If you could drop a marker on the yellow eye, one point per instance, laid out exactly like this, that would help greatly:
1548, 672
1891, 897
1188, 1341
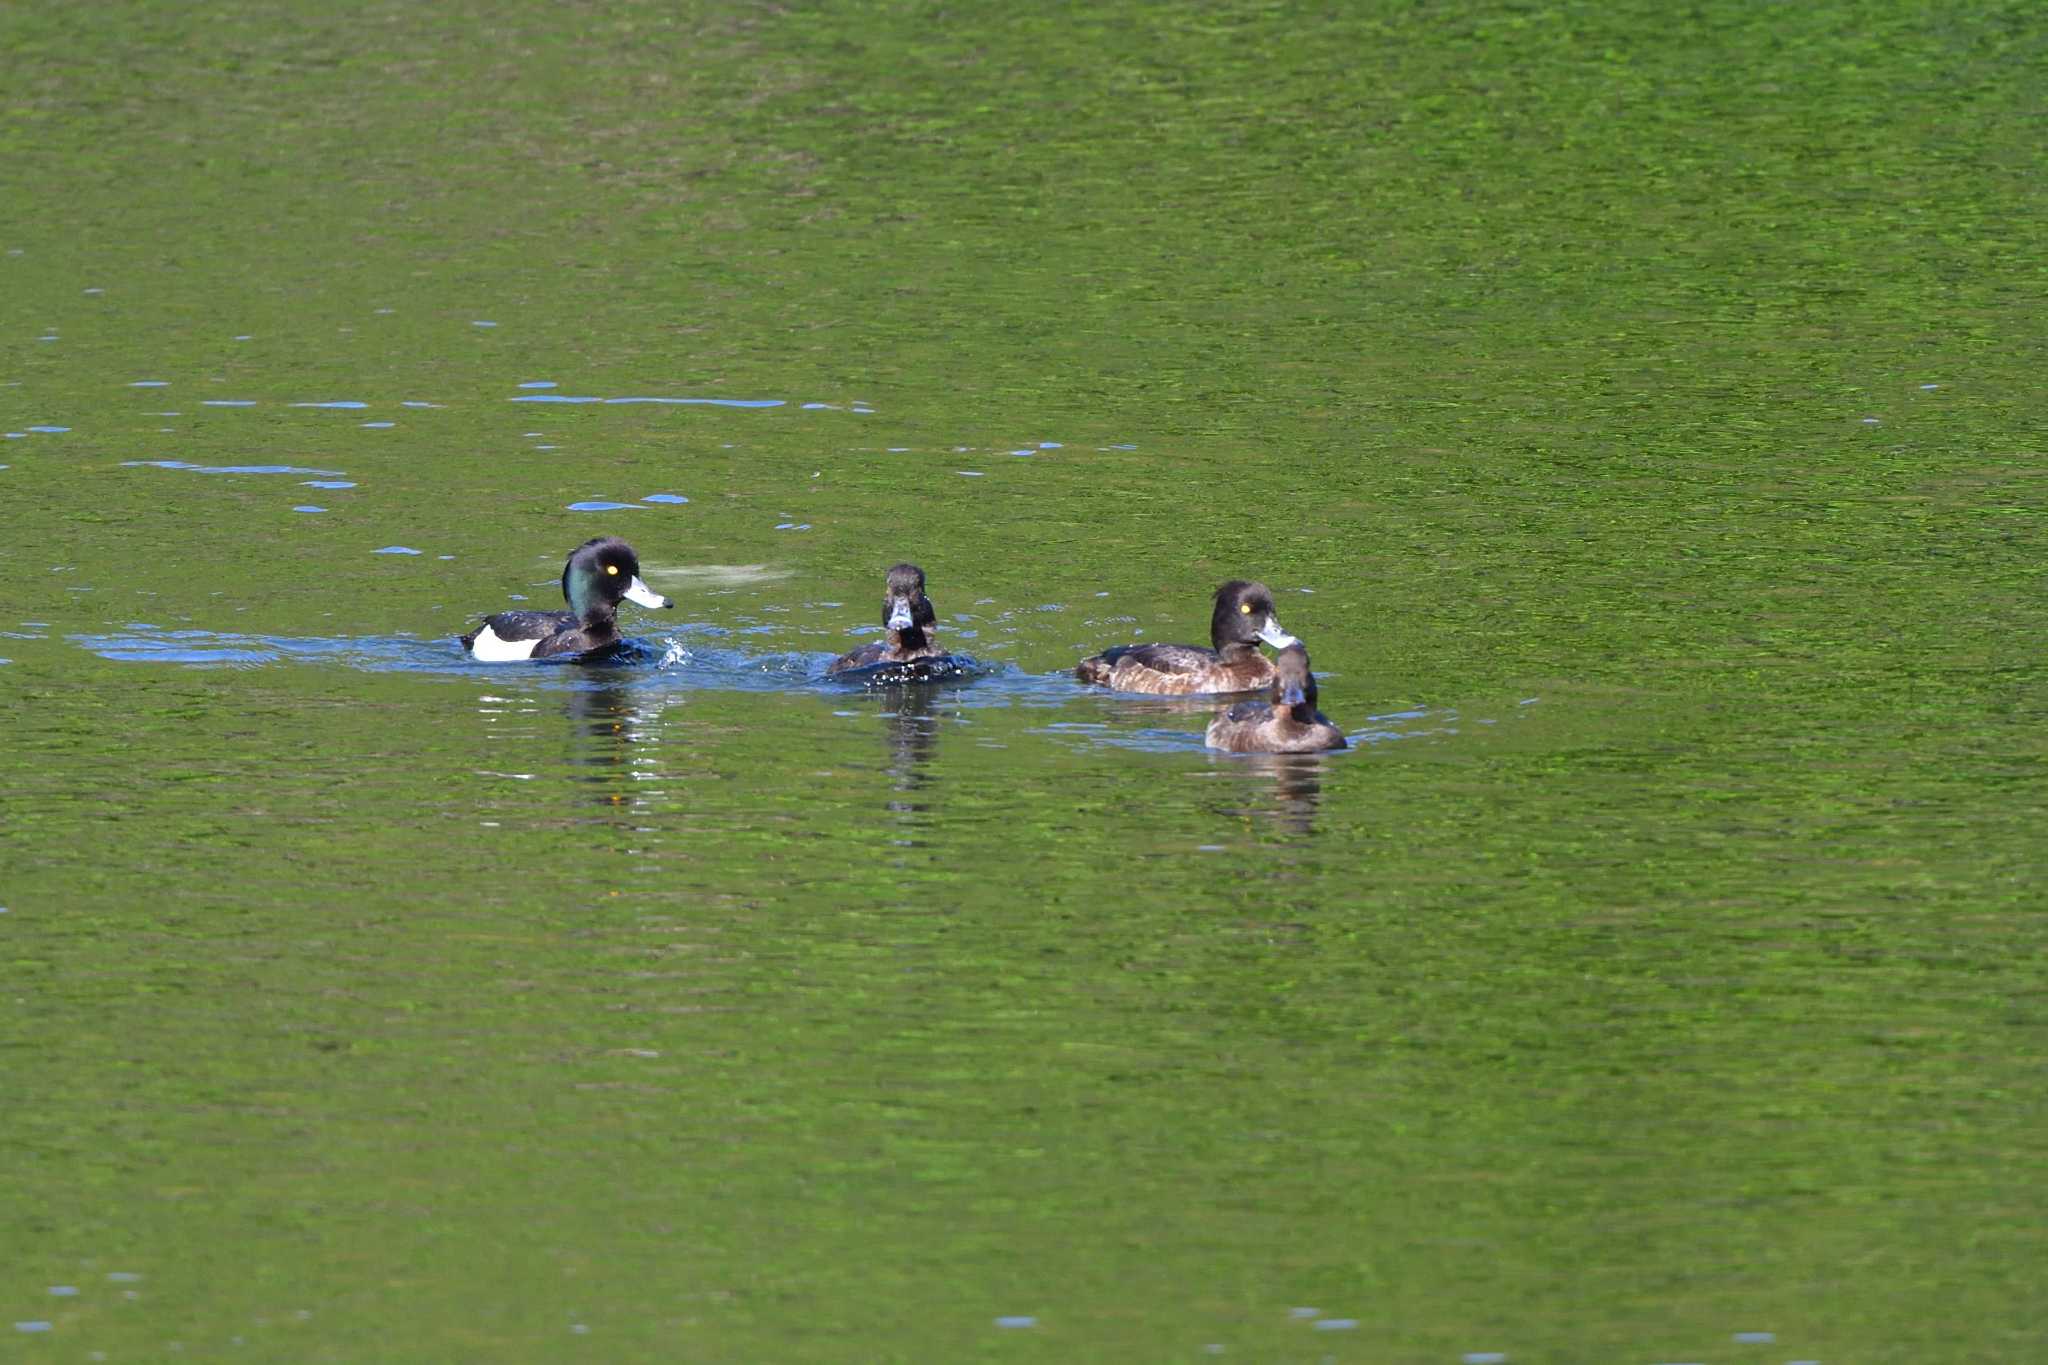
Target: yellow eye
1245, 607
613, 570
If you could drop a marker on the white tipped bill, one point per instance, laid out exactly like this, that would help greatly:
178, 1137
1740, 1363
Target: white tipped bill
1274, 636
636, 591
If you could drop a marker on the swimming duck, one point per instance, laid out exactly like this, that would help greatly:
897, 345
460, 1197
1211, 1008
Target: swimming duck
600, 573
1243, 617
1286, 723
911, 622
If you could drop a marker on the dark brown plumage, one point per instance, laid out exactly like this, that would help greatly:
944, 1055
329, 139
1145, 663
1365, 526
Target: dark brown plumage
1243, 616
910, 619
1287, 722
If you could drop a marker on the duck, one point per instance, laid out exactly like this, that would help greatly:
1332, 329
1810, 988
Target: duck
910, 620
600, 573
1287, 722
1243, 616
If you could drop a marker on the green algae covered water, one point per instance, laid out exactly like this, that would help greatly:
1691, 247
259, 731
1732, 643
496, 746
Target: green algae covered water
1637, 413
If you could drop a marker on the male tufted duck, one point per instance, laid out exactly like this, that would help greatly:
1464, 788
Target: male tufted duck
1243, 617
600, 573
1287, 723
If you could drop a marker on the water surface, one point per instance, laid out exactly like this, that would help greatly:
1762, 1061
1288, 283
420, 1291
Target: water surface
1637, 415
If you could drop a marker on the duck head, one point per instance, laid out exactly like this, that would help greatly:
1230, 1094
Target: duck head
904, 605
1294, 687
601, 573
1244, 613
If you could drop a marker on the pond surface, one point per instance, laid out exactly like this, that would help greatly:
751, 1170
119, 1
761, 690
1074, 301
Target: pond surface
1637, 414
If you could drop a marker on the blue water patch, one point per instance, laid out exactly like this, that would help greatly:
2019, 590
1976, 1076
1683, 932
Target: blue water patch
205, 647
537, 384
51, 431
481, 323
327, 483
397, 550
150, 384
686, 656
308, 507
378, 426
662, 497
227, 402
553, 398
227, 468
711, 402
416, 403
599, 505
337, 403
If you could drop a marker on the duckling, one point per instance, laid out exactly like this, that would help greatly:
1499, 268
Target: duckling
1243, 617
601, 572
1286, 723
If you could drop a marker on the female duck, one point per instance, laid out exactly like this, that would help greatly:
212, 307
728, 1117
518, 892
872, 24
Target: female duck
911, 622
1288, 723
600, 573
1243, 617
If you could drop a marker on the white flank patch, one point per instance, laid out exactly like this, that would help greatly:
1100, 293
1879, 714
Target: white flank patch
493, 650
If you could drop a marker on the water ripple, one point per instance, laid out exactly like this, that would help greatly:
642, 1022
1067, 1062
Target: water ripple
231, 468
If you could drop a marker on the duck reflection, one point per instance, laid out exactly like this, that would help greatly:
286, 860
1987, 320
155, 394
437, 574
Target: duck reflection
910, 717
613, 735
1282, 788
1296, 786
1285, 789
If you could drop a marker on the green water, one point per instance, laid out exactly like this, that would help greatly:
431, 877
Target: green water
1637, 412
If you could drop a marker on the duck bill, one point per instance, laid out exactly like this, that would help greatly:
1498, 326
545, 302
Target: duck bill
1292, 695
899, 615
636, 591
1274, 636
